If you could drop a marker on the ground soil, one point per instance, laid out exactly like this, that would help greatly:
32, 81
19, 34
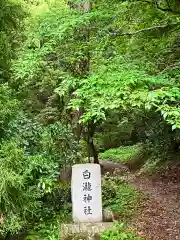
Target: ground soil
159, 218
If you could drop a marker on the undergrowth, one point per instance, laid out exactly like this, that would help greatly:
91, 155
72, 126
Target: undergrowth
119, 232
122, 198
125, 202
49, 228
117, 194
123, 154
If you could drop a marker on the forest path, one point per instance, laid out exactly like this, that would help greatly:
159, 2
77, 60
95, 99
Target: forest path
159, 218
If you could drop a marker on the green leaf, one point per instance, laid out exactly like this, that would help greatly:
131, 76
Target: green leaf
173, 127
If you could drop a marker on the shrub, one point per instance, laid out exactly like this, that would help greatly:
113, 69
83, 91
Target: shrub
123, 154
121, 197
29, 177
119, 232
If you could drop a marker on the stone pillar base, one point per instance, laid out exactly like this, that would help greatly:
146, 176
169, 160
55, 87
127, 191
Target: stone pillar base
84, 231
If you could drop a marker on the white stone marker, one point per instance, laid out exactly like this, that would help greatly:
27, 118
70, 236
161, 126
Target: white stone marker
86, 193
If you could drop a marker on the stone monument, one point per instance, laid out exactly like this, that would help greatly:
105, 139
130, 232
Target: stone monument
86, 202
86, 193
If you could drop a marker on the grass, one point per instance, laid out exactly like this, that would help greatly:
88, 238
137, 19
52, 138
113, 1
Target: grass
119, 232
125, 202
122, 198
122, 154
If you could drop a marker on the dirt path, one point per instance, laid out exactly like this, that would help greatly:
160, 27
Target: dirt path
160, 215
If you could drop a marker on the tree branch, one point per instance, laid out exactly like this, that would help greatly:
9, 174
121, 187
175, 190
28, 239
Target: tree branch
169, 9
156, 4
144, 30
171, 66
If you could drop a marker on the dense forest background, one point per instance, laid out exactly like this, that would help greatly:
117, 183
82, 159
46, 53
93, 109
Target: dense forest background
78, 79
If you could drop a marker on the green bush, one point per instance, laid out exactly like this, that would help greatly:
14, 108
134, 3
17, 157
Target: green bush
8, 108
48, 228
19, 195
119, 232
29, 189
55, 141
122, 198
11, 15
114, 132
122, 154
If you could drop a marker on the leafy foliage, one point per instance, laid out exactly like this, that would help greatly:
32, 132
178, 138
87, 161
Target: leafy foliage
8, 107
29, 174
120, 197
10, 15
123, 154
119, 232
118, 63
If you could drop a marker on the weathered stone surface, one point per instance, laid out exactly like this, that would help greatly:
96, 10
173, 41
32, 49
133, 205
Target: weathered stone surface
88, 230
108, 215
86, 193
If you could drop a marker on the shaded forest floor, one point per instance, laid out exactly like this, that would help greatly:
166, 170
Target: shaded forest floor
159, 218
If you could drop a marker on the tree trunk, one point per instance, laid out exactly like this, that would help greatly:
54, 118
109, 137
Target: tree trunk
91, 148
94, 151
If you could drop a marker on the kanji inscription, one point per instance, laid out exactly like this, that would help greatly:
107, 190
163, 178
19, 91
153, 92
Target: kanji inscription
86, 193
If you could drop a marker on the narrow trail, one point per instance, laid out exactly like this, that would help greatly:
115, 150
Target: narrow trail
159, 218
